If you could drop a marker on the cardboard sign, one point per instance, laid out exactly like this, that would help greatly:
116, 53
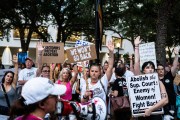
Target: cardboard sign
147, 53
144, 92
52, 53
83, 53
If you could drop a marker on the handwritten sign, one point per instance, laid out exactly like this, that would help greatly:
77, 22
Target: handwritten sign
81, 53
81, 43
144, 92
147, 53
52, 53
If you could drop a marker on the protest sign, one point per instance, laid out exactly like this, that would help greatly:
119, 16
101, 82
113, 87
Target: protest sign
147, 53
81, 43
52, 53
83, 53
144, 92
22, 56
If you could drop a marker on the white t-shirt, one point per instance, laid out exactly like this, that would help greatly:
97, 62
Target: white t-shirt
127, 74
97, 88
113, 77
27, 74
82, 83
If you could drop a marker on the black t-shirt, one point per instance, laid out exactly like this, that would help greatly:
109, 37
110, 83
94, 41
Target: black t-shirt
168, 82
120, 85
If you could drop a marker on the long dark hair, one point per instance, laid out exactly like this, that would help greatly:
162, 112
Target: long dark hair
3, 79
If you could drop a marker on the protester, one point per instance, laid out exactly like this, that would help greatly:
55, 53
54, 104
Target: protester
149, 67
28, 72
105, 66
8, 87
44, 70
83, 80
66, 78
38, 97
168, 81
96, 86
119, 88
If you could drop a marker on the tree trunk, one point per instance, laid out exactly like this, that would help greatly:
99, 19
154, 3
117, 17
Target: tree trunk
162, 32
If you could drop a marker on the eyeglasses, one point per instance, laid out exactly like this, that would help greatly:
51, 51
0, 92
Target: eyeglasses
46, 71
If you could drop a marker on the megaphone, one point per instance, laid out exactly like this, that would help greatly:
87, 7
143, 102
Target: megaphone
95, 109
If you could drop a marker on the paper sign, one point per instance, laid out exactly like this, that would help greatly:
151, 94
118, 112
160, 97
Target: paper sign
144, 92
81, 43
147, 53
22, 56
52, 53
83, 53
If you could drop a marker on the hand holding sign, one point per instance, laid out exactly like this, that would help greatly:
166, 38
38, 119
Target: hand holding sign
147, 112
137, 41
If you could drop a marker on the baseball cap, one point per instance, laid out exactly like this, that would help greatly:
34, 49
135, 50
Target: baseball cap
36, 89
28, 58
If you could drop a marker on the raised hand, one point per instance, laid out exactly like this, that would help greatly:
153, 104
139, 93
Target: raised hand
137, 41
39, 47
176, 50
15, 59
110, 46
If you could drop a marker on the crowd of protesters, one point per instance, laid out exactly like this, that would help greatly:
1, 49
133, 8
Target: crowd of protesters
84, 82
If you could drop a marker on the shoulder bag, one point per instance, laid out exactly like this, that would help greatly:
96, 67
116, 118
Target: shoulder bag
120, 103
3, 109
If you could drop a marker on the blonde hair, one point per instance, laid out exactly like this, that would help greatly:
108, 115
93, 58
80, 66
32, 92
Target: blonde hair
61, 73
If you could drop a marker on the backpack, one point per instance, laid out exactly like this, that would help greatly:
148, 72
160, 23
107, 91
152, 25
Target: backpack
177, 91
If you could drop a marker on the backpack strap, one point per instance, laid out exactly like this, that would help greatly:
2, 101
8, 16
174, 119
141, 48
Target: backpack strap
102, 86
5, 94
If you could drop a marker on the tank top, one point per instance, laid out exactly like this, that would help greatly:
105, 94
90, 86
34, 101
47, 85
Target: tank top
68, 93
11, 96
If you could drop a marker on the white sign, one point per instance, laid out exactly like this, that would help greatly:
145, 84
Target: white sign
144, 92
147, 53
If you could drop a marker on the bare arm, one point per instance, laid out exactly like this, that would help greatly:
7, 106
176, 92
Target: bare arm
175, 62
15, 61
137, 41
22, 82
78, 87
131, 63
40, 50
109, 70
161, 103
73, 79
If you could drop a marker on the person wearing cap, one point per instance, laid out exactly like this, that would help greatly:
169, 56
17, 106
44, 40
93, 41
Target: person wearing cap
28, 72
38, 97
